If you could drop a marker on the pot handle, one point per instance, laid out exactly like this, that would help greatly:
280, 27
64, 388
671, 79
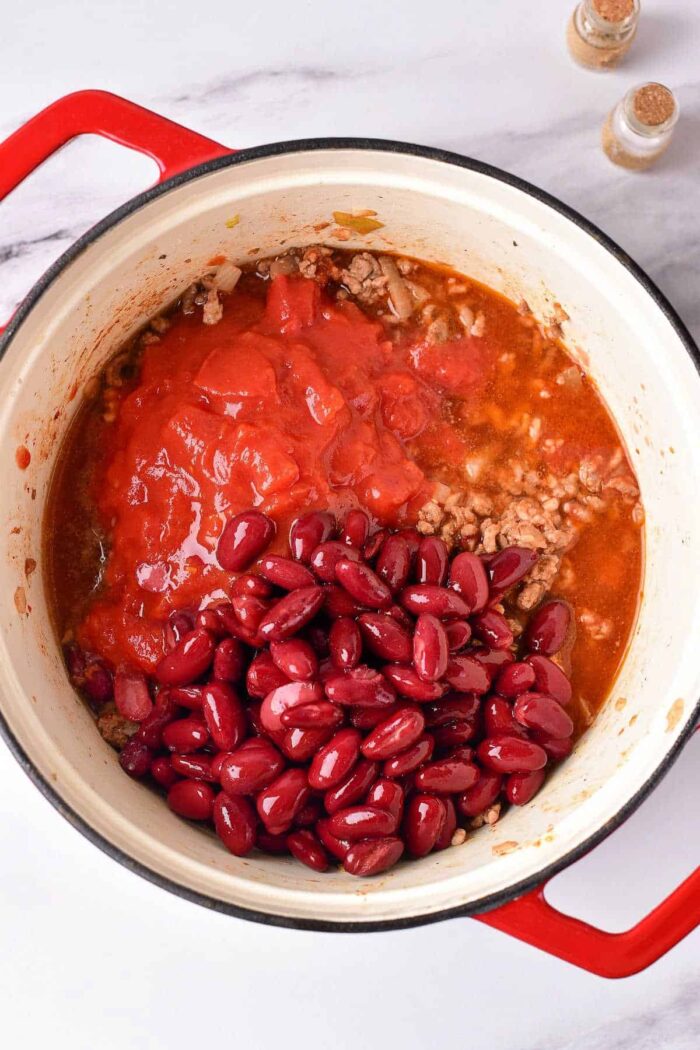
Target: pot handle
173, 147
531, 919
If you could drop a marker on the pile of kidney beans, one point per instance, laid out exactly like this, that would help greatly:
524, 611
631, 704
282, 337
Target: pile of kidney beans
360, 698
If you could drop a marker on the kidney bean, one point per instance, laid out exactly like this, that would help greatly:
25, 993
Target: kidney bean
406, 682
320, 715
498, 718
481, 795
509, 754
319, 638
196, 767
224, 715
188, 661
336, 847
374, 544
162, 772
366, 718
396, 734
458, 634
454, 707
449, 826
268, 843
402, 618
514, 679
135, 758
361, 822
548, 627
295, 658
447, 776
185, 735
385, 637
229, 661
179, 624
235, 823
468, 578
422, 823
97, 684
305, 847
292, 694
345, 643
454, 734
218, 760
508, 567
394, 562
539, 711
339, 602
308, 532
373, 856
251, 767
263, 676
354, 788
209, 620
428, 598
430, 648
355, 529
362, 686
243, 539
431, 561
249, 611
285, 572
522, 787
310, 812
387, 794
362, 583
192, 799
280, 801
333, 762
467, 675
556, 748
150, 732
491, 628
549, 678
492, 659
291, 613
326, 556
301, 744
248, 583
410, 759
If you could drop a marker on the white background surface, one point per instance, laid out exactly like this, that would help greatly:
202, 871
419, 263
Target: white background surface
92, 955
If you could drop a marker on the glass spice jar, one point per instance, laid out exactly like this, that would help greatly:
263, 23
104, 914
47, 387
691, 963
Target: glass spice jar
639, 129
600, 32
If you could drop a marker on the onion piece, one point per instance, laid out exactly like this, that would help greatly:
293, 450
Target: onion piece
227, 276
398, 292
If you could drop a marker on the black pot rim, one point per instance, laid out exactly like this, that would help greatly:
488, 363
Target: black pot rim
490, 901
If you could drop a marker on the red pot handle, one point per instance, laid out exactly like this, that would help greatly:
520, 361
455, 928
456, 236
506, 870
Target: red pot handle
172, 147
531, 919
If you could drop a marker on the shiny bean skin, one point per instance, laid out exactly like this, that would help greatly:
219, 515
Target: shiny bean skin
373, 856
431, 561
362, 686
508, 567
544, 713
555, 748
336, 847
446, 776
430, 648
393, 564
333, 762
150, 732
196, 767
491, 628
224, 715
292, 694
319, 715
412, 537
363, 584
396, 734
191, 799
509, 754
308, 532
263, 676
458, 634
422, 823
229, 661
522, 787
481, 795
410, 759
467, 675
291, 613
188, 661
454, 707
163, 773
366, 718
326, 556
209, 620
235, 823
185, 735
386, 638
179, 624
135, 758
492, 659
248, 583
250, 768
299, 745
355, 529
305, 847
549, 678
548, 628
249, 611
514, 679
387, 794
339, 602
285, 572
428, 598
361, 822
468, 578
498, 718
280, 801
353, 788
310, 812
295, 658
345, 643
131, 695
449, 826
243, 539
454, 734
268, 843
374, 544
406, 682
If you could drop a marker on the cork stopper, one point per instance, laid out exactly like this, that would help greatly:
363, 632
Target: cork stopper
613, 11
638, 130
653, 104
600, 32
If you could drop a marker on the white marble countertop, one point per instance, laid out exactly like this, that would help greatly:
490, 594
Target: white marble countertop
92, 954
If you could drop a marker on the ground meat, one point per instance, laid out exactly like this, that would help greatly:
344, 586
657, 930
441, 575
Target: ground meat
115, 729
213, 310
364, 279
317, 264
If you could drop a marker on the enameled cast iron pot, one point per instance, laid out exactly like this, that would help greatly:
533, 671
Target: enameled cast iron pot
436, 206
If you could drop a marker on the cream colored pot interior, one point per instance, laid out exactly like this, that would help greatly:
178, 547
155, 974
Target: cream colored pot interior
490, 231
